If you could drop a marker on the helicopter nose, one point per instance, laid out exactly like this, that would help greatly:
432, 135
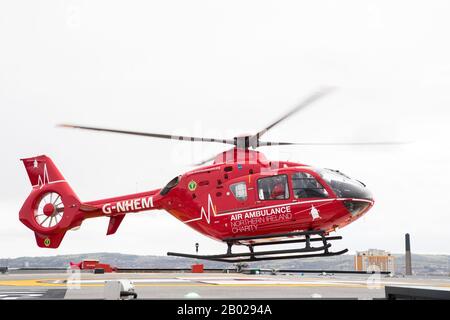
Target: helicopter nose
351, 188
362, 199
357, 207
359, 190
357, 197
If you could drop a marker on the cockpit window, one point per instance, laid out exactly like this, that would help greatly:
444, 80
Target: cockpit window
343, 186
305, 185
172, 183
273, 188
239, 191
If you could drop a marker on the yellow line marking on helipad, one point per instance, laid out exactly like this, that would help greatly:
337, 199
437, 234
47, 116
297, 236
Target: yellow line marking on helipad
29, 283
40, 283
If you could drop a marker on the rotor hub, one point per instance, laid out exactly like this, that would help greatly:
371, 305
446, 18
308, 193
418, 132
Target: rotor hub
49, 209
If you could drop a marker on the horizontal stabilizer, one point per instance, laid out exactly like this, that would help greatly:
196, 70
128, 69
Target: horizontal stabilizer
114, 223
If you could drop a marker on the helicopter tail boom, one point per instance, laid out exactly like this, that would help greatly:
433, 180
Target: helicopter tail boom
52, 207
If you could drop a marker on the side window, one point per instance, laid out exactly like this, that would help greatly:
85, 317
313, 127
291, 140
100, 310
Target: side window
273, 188
306, 186
239, 191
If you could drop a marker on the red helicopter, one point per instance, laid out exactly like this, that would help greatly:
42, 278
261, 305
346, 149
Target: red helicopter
241, 199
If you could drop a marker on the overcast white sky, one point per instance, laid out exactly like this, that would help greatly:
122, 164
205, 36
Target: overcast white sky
221, 68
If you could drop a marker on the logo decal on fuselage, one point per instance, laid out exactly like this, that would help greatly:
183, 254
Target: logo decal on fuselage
274, 213
192, 185
314, 213
131, 205
47, 242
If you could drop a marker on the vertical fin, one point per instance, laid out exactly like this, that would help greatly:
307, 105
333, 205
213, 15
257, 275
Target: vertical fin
41, 170
49, 241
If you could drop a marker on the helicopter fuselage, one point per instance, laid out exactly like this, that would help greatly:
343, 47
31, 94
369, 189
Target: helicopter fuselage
251, 198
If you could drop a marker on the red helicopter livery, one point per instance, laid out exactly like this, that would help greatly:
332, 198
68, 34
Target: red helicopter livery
241, 199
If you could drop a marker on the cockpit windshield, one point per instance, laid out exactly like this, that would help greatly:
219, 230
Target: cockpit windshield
344, 186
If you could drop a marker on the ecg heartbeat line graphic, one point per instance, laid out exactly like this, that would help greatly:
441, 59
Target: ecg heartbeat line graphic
45, 178
204, 213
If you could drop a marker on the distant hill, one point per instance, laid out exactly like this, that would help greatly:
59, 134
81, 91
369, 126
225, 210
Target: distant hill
422, 264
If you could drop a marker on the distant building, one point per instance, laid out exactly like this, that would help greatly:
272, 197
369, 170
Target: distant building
374, 260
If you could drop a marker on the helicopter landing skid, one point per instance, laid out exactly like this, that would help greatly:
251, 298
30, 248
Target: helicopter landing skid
305, 237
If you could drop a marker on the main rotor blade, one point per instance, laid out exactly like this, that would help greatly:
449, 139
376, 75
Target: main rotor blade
308, 101
362, 143
153, 135
273, 144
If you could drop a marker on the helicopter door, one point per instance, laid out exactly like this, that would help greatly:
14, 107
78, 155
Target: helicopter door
304, 185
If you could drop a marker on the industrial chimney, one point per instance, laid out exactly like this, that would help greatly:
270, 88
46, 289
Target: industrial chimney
408, 266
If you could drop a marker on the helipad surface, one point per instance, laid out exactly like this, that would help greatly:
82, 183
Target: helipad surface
208, 285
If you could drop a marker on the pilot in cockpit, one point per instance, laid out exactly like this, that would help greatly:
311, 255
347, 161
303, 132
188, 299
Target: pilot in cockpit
279, 188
